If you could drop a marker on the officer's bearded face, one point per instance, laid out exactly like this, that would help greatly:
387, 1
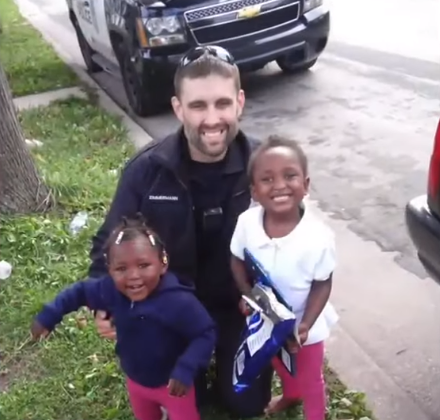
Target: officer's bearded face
209, 109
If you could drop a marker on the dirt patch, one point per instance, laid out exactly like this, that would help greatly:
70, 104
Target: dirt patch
332, 380
4, 381
16, 367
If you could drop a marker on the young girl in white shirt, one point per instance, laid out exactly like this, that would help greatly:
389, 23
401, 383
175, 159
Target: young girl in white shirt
298, 251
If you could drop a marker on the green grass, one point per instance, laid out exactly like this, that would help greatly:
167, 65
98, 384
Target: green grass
74, 374
31, 65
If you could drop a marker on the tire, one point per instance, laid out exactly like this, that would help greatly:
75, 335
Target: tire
86, 51
289, 67
143, 100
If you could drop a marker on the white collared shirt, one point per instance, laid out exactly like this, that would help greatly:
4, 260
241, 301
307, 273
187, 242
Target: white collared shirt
293, 261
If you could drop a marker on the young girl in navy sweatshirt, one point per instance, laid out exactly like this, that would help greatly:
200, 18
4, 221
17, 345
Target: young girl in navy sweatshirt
164, 334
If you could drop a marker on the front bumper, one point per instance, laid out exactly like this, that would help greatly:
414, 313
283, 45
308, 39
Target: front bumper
303, 40
424, 230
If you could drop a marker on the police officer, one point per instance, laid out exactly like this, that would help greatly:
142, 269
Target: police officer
191, 186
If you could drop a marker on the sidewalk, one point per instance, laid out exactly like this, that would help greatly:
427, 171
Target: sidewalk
376, 299
44, 99
379, 305
138, 135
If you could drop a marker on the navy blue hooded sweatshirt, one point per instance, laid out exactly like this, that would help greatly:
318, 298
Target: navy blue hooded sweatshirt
168, 335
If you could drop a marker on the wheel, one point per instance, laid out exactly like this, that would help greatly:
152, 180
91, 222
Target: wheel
289, 66
142, 90
86, 50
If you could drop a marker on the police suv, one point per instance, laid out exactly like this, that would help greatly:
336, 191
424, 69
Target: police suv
142, 41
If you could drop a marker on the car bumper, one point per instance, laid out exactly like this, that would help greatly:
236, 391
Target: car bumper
424, 230
304, 40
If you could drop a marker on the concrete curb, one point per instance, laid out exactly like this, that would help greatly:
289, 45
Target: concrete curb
38, 20
43, 99
359, 372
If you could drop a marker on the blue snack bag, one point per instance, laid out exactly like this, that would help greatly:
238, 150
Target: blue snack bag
260, 275
266, 332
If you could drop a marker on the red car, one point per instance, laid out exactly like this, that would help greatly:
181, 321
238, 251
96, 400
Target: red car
422, 216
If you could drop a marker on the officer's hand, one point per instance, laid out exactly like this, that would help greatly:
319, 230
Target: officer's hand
105, 326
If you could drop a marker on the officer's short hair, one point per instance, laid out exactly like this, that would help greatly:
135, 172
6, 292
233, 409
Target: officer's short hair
205, 66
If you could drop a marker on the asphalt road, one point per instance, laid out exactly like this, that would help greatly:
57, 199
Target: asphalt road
366, 115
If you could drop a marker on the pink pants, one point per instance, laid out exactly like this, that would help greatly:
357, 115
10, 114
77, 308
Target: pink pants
146, 403
308, 383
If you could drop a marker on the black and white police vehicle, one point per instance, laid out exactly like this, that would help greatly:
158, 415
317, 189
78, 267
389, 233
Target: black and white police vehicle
143, 40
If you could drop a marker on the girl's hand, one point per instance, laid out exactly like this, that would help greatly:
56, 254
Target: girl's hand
38, 331
176, 388
244, 308
303, 333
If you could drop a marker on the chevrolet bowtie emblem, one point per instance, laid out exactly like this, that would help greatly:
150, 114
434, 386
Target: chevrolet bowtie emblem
249, 12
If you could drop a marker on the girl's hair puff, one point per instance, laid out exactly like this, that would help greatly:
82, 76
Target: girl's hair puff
272, 142
131, 228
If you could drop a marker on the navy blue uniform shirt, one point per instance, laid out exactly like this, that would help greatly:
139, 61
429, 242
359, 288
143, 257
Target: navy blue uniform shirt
168, 335
173, 193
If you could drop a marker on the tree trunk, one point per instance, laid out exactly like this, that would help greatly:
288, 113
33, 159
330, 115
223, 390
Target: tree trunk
21, 189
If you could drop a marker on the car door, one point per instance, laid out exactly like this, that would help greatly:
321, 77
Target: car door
92, 21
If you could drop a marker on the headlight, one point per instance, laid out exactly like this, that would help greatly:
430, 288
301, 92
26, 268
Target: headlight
164, 31
312, 4
158, 25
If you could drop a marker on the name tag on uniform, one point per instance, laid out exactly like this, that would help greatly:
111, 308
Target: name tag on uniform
163, 198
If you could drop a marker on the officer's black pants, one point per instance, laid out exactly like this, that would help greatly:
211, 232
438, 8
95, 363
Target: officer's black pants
248, 403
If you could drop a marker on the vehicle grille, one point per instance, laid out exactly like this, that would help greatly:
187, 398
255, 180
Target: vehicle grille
219, 9
243, 27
